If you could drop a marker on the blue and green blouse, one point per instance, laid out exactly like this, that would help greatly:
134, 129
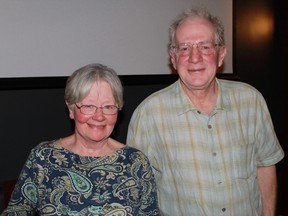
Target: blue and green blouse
55, 181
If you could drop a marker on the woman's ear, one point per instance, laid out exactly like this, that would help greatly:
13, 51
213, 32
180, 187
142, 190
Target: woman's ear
71, 111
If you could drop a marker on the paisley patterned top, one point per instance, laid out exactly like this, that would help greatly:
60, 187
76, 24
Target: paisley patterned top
55, 181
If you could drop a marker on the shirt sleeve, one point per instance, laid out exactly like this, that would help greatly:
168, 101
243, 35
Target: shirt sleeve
269, 151
148, 198
24, 197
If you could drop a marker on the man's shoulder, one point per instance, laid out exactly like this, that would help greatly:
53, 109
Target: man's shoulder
236, 86
239, 92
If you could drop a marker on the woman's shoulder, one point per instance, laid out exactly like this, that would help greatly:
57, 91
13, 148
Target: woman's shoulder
135, 153
46, 145
132, 149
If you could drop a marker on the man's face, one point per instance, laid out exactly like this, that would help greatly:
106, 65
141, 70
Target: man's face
195, 67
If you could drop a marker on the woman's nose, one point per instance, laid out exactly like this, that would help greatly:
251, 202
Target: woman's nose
99, 115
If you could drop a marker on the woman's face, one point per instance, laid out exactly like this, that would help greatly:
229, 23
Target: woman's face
95, 127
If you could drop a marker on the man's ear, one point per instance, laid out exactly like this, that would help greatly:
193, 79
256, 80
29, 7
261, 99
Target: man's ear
222, 54
172, 58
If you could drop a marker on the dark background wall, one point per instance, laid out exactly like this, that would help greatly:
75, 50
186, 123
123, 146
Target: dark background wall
263, 62
38, 113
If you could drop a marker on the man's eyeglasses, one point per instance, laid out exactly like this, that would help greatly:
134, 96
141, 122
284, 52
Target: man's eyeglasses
204, 48
91, 109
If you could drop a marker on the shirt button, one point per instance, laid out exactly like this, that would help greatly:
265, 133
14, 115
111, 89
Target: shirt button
223, 209
209, 126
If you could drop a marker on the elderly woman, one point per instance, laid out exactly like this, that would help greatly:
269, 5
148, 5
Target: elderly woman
87, 173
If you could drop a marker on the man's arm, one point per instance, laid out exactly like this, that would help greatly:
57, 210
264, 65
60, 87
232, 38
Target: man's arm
267, 181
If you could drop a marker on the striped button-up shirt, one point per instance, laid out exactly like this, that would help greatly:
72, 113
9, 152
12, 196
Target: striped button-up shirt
206, 165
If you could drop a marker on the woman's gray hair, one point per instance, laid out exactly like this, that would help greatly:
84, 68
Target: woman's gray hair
197, 13
81, 81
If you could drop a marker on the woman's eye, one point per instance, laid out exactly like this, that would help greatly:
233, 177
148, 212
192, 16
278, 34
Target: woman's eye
108, 107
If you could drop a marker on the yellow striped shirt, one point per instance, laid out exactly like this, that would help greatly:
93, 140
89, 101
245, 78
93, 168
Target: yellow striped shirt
206, 165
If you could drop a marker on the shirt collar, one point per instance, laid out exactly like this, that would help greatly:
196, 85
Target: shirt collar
223, 100
221, 104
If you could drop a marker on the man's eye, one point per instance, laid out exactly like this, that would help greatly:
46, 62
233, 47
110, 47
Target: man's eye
183, 48
205, 47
